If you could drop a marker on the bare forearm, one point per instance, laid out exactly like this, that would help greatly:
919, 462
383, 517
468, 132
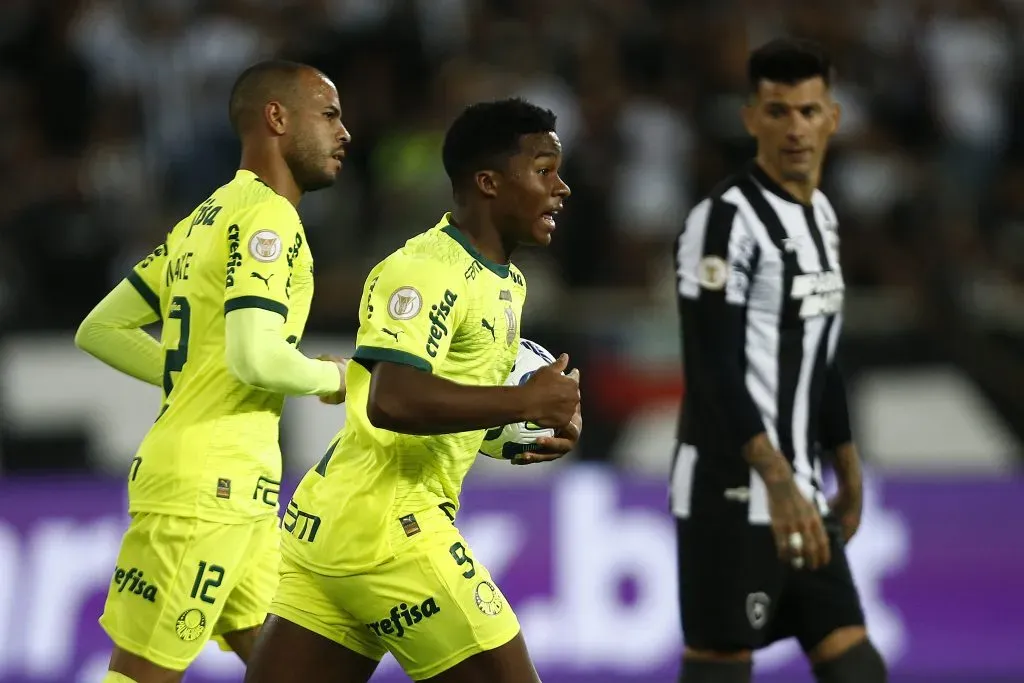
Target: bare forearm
410, 401
768, 462
847, 465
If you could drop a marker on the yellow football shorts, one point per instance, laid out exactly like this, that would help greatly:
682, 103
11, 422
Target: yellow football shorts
180, 581
432, 606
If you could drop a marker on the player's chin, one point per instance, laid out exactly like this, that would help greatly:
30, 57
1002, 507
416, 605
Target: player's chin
541, 232
322, 180
798, 170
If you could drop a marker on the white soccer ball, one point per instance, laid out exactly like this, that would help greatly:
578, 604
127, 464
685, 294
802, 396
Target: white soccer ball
505, 443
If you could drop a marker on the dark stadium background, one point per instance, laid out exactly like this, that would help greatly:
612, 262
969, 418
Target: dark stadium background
113, 125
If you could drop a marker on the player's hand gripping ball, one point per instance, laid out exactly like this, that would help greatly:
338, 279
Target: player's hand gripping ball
519, 437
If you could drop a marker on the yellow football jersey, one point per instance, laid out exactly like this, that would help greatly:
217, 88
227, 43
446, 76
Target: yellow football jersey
213, 452
438, 305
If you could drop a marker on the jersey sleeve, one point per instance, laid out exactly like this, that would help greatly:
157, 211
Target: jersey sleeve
147, 275
716, 260
112, 333
411, 310
834, 421
262, 248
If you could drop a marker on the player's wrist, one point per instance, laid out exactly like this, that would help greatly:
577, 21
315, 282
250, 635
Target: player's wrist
769, 463
523, 403
332, 377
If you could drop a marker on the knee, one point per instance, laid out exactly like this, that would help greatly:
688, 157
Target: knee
860, 664
716, 667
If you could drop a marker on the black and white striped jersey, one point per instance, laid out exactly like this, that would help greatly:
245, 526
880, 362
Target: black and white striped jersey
760, 299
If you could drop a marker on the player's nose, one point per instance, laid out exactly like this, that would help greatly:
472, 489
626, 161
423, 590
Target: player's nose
344, 137
562, 188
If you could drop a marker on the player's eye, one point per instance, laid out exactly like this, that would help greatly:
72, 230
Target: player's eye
544, 171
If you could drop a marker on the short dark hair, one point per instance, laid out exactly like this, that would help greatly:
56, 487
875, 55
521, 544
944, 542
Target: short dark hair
260, 83
486, 134
789, 61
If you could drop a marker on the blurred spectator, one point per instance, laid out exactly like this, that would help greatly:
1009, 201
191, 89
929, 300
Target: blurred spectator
115, 124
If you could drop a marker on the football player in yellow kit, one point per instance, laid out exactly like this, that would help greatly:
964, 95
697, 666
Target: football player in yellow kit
232, 285
372, 561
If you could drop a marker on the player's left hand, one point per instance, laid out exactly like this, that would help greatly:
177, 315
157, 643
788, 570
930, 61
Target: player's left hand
564, 440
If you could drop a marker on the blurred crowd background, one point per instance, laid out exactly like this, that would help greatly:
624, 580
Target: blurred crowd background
113, 126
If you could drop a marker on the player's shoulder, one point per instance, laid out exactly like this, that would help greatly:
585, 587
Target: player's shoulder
725, 196
247, 191
243, 197
438, 249
820, 201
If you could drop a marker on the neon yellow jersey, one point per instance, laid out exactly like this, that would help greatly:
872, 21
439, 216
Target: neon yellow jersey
437, 305
213, 452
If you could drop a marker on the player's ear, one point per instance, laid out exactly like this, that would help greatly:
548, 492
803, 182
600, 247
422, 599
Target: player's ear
487, 183
836, 116
275, 116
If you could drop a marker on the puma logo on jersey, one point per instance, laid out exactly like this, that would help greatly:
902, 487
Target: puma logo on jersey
489, 327
387, 331
265, 280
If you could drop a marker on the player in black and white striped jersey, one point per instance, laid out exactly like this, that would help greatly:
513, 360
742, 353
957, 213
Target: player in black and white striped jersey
761, 552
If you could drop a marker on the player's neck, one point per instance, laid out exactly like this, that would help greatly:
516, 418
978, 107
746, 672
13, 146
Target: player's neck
273, 172
482, 233
801, 190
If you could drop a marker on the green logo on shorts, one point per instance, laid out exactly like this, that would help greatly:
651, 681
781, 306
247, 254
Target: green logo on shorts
410, 615
488, 599
190, 624
132, 580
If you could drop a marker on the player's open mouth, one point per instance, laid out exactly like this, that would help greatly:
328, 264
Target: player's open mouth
549, 218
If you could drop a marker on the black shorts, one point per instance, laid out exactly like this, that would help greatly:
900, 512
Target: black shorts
736, 594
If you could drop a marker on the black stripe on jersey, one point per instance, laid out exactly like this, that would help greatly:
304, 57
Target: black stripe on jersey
718, 232
367, 355
829, 419
819, 245
791, 325
255, 302
818, 380
143, 289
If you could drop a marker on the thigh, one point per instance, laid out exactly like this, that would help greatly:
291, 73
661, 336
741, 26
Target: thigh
247, 604
169, 586
729, 583
815, 604
434, 606
508, 663
286, 652
316, 604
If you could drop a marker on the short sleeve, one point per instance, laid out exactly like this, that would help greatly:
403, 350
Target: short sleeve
147, 274
411, 309
262, 247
